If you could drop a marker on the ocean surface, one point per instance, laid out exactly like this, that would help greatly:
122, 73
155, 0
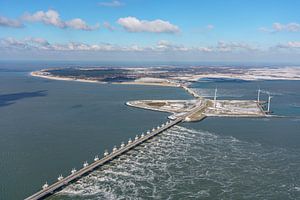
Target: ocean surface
48, 127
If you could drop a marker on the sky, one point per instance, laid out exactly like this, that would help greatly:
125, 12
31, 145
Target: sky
151, 30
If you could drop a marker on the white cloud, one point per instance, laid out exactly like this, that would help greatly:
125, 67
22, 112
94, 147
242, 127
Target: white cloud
162, 46
40, 41
290, 27
278, 27
79, 24
289, 45
234, 46
205, 49
75, 46
113, 3
4, 21
12, 43
52, 17
163, 49
221, 46
42, 44
133, 24
25, 44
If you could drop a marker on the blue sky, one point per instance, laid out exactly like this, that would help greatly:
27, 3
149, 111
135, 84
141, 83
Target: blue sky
183, 30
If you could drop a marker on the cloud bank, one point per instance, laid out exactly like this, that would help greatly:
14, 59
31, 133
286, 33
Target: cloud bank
6, 22
160, 46
290, 45
278, 27
29, 48
52, 17
132, 24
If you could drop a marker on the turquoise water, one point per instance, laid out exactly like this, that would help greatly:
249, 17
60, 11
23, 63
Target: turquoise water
48, 127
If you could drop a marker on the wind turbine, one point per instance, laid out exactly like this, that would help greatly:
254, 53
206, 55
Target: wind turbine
215, 97
258, 95
269, 102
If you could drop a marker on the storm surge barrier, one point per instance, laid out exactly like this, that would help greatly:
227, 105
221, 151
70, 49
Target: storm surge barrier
48, 190
87, 168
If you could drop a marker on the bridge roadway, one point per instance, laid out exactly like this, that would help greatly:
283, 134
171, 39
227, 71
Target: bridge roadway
85, 170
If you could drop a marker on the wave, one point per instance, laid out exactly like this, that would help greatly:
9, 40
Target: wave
184, 163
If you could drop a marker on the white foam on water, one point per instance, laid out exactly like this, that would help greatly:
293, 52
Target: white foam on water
184, 163
261, 119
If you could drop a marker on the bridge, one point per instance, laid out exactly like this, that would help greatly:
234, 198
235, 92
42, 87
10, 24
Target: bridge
51, 189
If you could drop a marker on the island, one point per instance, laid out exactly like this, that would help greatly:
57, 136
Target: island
183, 77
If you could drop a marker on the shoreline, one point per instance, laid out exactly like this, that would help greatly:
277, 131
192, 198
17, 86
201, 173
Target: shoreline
164, 84
169, 82
146, 84
40, 75
36, 74
253, 74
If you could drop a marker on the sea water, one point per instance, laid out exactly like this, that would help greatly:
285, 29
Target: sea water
48, 127
217, 158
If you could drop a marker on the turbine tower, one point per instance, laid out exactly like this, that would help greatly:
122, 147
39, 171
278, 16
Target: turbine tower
258, 95
269, 102
215, 97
